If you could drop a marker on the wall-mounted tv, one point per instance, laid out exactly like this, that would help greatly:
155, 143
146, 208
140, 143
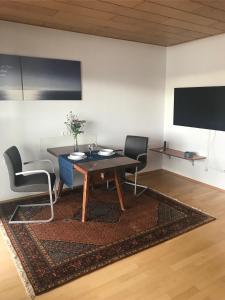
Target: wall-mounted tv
200, 107
33, 78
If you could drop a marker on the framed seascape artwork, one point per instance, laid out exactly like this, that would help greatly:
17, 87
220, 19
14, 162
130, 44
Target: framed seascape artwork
10, 78
33, 78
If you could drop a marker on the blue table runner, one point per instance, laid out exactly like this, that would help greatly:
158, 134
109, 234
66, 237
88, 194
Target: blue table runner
66, 169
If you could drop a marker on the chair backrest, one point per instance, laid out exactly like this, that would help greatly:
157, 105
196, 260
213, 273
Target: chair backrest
135, 145
14, 164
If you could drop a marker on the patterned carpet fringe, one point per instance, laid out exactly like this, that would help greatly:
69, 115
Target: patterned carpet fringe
19, 267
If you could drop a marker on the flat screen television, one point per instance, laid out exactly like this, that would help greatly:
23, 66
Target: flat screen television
200, 107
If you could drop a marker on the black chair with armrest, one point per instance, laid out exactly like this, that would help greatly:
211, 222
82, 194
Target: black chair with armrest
136, 147
29, 181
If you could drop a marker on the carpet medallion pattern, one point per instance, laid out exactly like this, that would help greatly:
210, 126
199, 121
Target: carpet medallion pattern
54, 253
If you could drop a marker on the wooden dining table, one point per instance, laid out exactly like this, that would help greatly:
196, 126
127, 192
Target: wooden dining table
97, 170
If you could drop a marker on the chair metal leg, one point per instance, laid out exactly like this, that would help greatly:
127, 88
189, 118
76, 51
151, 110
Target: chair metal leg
11, 221
55, 194
135, 182
136, 185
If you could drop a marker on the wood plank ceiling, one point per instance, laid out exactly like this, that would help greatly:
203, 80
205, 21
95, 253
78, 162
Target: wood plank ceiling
158, 22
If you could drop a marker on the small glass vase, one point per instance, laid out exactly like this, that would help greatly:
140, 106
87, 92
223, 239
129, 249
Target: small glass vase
76, 147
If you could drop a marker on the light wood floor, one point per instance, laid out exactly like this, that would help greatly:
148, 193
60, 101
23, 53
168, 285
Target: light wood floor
191, 266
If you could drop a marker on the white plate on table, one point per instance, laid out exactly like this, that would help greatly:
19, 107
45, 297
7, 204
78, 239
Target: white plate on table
107, 150
77, 157
77, 154
106, 153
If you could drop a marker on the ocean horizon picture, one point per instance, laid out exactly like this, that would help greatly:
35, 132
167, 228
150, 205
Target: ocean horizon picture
51, 79
10, 78
33, 78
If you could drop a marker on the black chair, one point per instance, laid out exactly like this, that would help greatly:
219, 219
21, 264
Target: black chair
29, 181
136, 147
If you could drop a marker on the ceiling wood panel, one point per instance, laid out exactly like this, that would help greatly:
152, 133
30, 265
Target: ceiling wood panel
128, 3
219, 4
159, 28
220, 25
27, 7
159, 22
61, 7
185, 5
190, 26
206, 11
174, 13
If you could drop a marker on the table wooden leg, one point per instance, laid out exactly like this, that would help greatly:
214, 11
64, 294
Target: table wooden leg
60, 188
85, 196
119, 190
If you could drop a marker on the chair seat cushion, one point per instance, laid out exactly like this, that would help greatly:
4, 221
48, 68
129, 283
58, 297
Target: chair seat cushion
34, 183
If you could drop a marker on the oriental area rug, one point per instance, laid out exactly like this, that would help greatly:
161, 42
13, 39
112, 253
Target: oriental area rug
51, 254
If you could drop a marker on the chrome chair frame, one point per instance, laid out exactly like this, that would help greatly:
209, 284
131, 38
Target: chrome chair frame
135, 184
51, 202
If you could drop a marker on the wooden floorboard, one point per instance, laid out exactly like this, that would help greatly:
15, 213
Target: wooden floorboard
191, 266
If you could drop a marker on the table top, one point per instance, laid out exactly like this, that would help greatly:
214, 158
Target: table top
57, 151
95, 165
106, 164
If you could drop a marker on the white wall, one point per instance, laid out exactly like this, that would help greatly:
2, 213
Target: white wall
123, 91
199, 63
